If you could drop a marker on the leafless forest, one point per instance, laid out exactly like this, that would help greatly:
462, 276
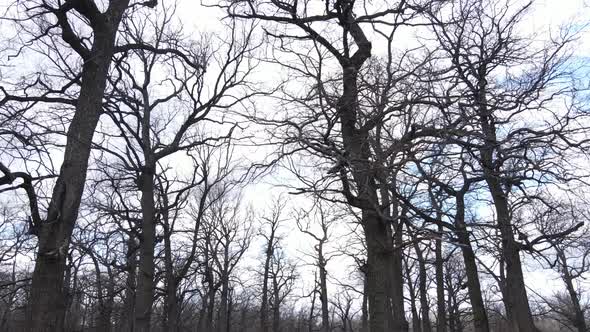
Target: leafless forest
294, 165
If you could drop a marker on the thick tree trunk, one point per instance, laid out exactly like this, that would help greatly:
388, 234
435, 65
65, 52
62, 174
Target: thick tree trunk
145, 278
378, 273
210, 307
276, 319
145, 183
230, 309
172, 314
517, 301
502, 285
356, 144
480, 317
128, 317
518, 306
223, 307
46, 309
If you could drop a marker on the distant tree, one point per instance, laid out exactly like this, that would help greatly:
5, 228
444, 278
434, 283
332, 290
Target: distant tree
563, 245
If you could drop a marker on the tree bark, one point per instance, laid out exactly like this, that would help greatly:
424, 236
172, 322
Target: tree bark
441, 312
323, 289
517, 301
378, 272
171, 314
480, 317
264, 304
145, 279
128, 318
424, 308
46, 310
276, 307
365, 305
223, 323
518, 306
396, 292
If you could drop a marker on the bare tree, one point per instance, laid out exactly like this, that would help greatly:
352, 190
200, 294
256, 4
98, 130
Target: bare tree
269, 231
335, 123
482, 40
72, 23
564, 246
148, 130
324, 217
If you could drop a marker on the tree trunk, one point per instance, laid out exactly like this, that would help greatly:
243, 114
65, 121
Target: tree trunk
452, 318
323, 290
106, 301
580, 320
397, 276
264, 304
210, 307
145, 183
276, 307
244, 317
450, 297
480, 317
365, 305
46, 309
517, 301
145, 279
357, 145
378, 272
416, 325
104, 318
230, 309
458, 325
424, 308
310, 322
202, 322
128, 317
171, 315
518, 306
441, 311
224, 301
502, 285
